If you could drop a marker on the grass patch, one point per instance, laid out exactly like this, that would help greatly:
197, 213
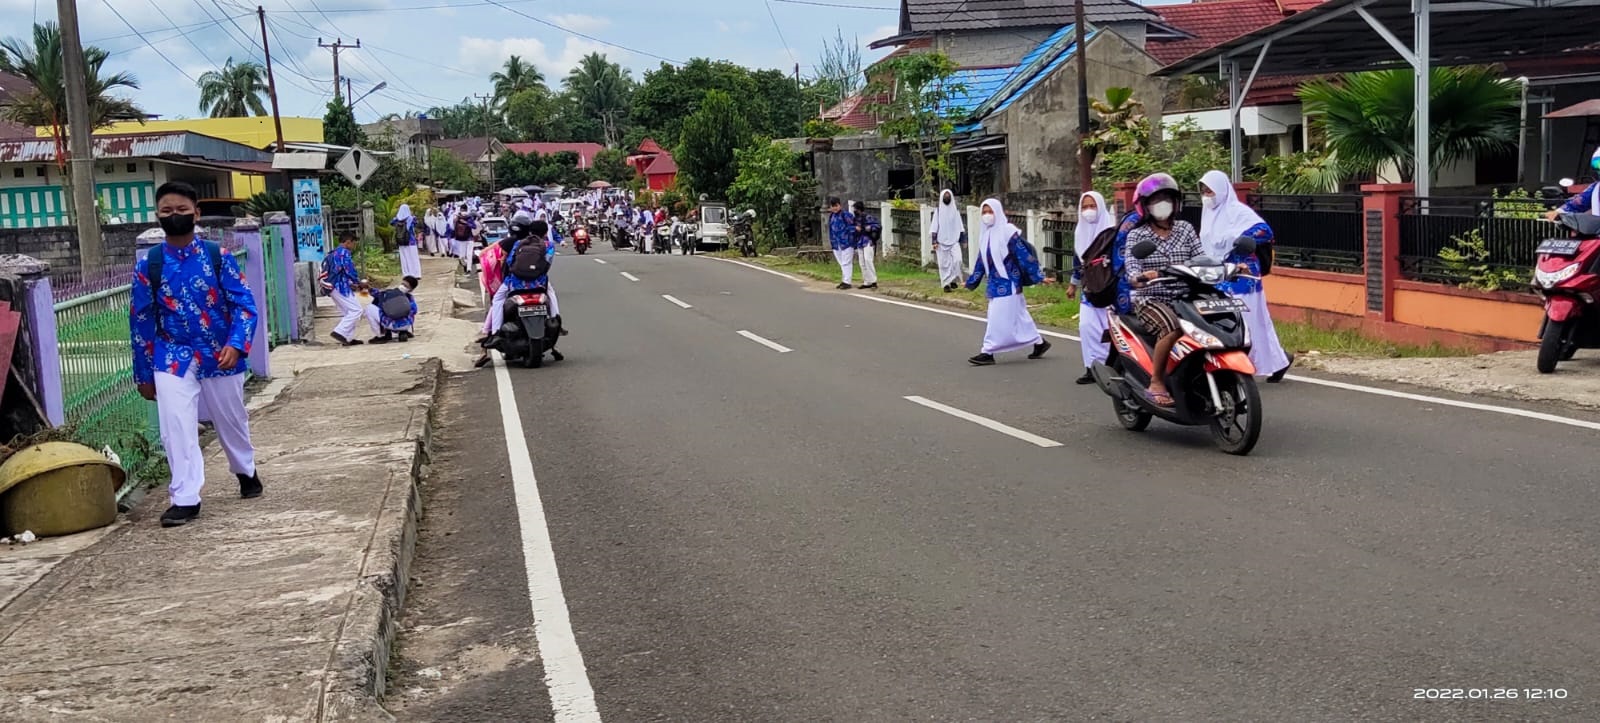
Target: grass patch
1300, 338
377, 266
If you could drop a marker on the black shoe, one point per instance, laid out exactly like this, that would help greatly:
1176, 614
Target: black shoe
873, 285
1277, 376
179, 515
344, 341
406, 336
556, 355
1087, 378
981, 360
842, 285
949, 288
385, 339
1039, 349
249, 487
482, 361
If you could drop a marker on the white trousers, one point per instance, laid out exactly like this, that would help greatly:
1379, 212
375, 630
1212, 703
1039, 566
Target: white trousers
1266, 352
867, 256
178, 401
497, 308
410, 262
949, 264
1092, 324
1010, 326
847, 264
350, 307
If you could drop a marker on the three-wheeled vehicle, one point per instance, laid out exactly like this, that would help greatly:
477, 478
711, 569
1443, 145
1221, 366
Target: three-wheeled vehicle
713, 229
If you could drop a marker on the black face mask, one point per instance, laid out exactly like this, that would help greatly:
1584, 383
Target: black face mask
948, 201
178, 224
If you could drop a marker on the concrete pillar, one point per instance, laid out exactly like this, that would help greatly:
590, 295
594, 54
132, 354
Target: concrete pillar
974, 236
886, 216
369, 225
925, 243
247, 232
1380, 213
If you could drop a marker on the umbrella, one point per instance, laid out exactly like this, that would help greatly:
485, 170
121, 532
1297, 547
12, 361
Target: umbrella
513, 192
533, 189
599, 184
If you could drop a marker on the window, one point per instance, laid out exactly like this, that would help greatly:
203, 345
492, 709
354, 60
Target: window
107, 168
17, 173
39, 172
133, 168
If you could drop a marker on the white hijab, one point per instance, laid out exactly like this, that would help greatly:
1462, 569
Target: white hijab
1086, 232
404, 214
947, 220
997, 237
1222, 225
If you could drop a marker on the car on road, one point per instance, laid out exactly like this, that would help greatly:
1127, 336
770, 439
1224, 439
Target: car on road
713, 228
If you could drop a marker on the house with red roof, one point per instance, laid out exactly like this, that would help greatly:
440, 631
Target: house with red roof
655, 164
585, 151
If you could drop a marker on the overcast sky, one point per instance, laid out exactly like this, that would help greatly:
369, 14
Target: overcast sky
436, 52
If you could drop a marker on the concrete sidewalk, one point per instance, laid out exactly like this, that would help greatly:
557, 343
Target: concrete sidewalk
280, 608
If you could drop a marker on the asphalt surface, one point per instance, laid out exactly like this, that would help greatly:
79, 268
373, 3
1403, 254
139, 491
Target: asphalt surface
751, 535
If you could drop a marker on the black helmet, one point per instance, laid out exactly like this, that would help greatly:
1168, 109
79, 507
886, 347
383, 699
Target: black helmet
521, 225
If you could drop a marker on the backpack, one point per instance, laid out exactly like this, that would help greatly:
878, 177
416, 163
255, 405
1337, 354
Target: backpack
1028, 274
528, 261
395, 304
154, 259
462, 230
1099, 276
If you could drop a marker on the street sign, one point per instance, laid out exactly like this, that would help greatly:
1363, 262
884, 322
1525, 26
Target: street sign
358, 165
309, 236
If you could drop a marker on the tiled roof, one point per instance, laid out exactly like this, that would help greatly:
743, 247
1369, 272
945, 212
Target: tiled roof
662, 165
649, 145
468, 149
12, 86
855, 112
1213, 23
945, 15
585, 151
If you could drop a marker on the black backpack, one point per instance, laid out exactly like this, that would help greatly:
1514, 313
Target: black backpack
1099, 277
528, 261
395, 304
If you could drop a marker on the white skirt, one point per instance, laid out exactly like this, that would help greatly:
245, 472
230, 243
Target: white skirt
410, 262
1092, 324
1010, 326
1266, 352
949, 264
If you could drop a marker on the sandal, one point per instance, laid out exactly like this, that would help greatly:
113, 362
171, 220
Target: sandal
1160, 399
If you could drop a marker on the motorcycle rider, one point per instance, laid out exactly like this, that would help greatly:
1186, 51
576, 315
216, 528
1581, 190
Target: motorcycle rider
523, 229
1176, 242
1581, 202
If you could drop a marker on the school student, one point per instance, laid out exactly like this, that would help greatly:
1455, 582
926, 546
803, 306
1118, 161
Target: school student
393, 312
341, 280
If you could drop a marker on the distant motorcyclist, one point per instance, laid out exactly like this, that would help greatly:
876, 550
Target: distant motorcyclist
1584, 202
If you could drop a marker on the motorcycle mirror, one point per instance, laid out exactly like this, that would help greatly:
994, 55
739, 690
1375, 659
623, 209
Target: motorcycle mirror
1143, 249
1244, 246
1566, 182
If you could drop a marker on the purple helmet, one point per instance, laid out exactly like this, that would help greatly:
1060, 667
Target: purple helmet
1156, 182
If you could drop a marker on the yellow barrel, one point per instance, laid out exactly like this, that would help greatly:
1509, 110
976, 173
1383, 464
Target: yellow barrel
58, 488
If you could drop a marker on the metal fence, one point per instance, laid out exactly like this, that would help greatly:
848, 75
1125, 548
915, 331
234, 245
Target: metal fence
1487, 236
279, 304
1057, 246
1322, 233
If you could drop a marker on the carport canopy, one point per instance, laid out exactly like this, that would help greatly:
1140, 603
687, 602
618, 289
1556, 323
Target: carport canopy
1341, 36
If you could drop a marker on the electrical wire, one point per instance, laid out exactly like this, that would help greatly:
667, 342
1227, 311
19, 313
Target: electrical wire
844, 6
779, 28
147, 42
186, 36
570, 31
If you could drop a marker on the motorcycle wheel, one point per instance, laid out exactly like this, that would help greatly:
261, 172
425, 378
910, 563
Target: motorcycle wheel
1555, 345
582, 250
1131, 419
1237, 426
535, 358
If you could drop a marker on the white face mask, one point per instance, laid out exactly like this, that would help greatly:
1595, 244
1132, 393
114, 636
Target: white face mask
1161, 210
988, 219
1089, 215
1212, 202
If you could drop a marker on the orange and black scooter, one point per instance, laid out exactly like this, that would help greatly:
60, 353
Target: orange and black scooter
1208, 375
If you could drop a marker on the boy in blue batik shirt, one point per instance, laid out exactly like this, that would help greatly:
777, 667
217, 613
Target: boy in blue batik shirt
868, 231
191, 322
842, 238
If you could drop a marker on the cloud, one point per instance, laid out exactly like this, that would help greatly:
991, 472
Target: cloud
581, 23
487, 55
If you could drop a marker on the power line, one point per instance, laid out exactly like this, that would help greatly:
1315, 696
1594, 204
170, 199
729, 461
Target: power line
147, 42
779, 28
179, 28
323, 12
836, 5
570, 31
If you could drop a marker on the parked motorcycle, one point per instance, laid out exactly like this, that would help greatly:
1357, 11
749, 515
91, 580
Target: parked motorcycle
529, 331
1567, 277
744, 234
1208, 375
580, 240
682, 236
620, 237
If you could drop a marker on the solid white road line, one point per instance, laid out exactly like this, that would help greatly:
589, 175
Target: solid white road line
571, 695
676, 300
1346, 386
600, 261
629, 276
1028, 437
757, 267
768, 343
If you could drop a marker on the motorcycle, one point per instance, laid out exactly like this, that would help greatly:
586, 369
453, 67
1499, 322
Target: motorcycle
620, 238
681, 237
526, 311
663, 244
580, 240
1567, 277
1208, 375
744, 235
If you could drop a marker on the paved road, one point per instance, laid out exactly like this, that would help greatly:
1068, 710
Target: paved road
745, 534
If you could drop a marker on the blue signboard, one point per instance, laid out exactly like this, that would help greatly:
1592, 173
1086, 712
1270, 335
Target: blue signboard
310, 240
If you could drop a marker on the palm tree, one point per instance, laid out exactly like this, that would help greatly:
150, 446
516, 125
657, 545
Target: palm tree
601, 89
233, 92
41, 64
515, 77
1369, 123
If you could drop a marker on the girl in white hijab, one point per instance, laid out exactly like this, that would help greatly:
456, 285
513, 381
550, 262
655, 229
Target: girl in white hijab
405, 237
1094, 216
949, 235
1223, 219
1004, 259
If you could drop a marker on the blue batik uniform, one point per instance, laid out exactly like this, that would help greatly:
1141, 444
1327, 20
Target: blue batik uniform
1240, 286
842, 231
517, 283
1018, 257
869, 225
198, 311
1119, 258
340, 273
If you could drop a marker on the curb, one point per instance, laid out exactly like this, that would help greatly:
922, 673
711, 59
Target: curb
358, 674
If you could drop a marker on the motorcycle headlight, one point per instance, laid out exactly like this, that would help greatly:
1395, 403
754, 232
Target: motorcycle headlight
1205, 338
1210, 274
1551, 278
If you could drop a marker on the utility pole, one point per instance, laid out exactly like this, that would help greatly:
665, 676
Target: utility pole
488, 138
337, 45
350, 95
272, 86
1085, 163
80, 142
800, 93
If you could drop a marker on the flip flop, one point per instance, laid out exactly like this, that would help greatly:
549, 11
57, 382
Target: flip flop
1157, 397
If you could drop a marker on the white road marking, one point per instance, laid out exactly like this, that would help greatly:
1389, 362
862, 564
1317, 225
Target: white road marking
571, 695
768, 343
752, 266
629, 276
1346, 386
600, 261
676, 300
1028, 437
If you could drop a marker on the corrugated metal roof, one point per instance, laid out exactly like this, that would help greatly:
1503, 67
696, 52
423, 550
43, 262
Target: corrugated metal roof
137, 145
945, 15
978, 85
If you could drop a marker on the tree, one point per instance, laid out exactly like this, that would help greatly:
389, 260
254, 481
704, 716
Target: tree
838, 70
668, 95
234, 91
778, 106
1368, 118
515, 77
1183, 150
611, 166
771, 181
45, 103
449, 171
339, 125
469, 119
710, 137
919, 90
533, 114
600, 89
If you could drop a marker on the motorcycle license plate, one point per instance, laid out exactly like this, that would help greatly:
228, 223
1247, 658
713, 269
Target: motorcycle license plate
1560, 246
535, 310
1218, 306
